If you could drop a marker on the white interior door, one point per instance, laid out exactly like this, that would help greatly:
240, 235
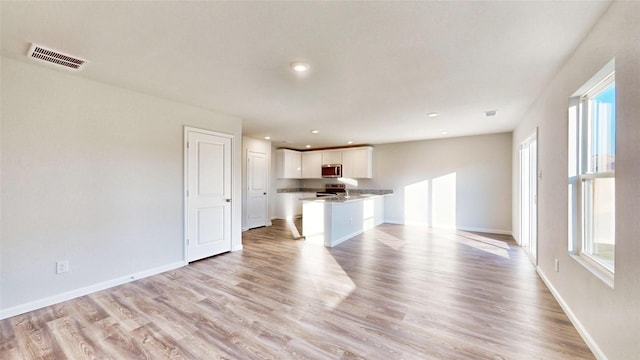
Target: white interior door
533, 198
208, 195
529, 195
257, 175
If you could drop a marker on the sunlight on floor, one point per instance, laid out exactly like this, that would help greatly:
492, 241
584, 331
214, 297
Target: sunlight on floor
495, 247
316, 259
295, 226
391, 241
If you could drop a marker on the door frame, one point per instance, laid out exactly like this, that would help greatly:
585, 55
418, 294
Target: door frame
185, 149
532, 173
267, 220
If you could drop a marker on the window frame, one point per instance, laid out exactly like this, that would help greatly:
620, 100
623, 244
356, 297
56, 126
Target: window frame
579, 172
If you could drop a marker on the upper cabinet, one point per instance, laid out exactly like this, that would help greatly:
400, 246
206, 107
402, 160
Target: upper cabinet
311, 165
288, 164
332, 156
357, 163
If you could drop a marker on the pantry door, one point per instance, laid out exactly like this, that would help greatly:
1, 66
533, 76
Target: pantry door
208, 193
257, 182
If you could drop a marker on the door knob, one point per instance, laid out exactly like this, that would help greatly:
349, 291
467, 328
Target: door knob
228, 200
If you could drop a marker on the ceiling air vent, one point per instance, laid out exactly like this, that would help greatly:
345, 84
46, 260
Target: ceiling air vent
41, 53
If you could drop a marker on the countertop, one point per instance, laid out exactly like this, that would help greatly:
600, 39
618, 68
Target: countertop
352, 192
344, 199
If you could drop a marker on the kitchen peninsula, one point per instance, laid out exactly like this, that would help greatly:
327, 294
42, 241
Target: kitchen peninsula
332, 220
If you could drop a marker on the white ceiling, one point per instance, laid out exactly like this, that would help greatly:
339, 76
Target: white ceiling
377, 68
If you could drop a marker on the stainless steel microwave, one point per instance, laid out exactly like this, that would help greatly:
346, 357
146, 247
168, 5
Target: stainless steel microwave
332, 170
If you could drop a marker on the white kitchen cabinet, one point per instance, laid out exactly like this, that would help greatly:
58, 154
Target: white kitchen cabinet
357, 163
312, 165
332, 157
288, 164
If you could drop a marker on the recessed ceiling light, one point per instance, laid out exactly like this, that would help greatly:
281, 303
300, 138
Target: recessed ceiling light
490, 113
300, 67
267, 137
349, 142
307, 146
444, 132
315, 131
432, 114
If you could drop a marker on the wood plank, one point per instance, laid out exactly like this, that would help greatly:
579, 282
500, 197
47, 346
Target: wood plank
34, 338
76, 344
391, 292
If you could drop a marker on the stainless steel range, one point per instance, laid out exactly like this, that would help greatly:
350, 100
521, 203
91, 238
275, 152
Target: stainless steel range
332, 190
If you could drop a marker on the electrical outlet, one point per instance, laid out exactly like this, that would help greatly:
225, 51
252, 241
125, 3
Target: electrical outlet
62, 266
557, 265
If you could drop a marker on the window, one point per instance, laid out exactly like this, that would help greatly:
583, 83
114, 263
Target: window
592, 159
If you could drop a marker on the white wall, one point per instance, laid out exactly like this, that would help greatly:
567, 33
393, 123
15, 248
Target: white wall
478, 169
608, 318
93, 174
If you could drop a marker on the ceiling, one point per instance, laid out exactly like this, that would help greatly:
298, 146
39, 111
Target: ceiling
377, 68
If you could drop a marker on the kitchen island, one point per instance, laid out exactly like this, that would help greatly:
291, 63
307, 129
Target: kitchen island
332, 220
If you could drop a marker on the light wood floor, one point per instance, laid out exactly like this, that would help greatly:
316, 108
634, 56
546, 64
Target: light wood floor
393, 292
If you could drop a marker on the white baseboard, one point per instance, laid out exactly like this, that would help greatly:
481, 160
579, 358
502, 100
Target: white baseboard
484, 230
393, 221
38, 304
597, 352
342, 239
461, 228
243, 229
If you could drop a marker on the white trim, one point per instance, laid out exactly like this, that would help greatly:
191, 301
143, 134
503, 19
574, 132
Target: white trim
594, 266
573, 318
534, 178
340, 240
600, 175
579, 218
596, 79
185, 187
269, 223
461, 228
52, 300
245, 188
485, 230
394, 221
